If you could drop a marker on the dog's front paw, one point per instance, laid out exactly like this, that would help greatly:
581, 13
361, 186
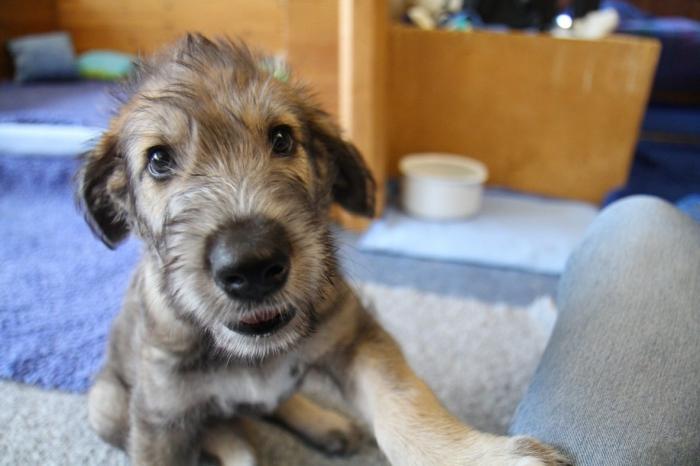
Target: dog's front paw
332, 433
343, 441
526, 451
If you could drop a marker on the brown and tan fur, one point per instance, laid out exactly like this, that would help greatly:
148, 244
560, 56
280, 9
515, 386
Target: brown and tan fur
177, 377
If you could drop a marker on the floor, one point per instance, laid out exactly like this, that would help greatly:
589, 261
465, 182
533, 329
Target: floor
47, 428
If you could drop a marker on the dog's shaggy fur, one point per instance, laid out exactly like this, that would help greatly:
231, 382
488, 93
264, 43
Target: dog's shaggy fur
191, 153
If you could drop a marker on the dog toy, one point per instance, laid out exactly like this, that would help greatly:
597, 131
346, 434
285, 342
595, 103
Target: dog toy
429, 14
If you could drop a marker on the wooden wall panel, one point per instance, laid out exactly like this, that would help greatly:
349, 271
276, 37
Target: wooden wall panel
307, 30
551, 116
143, 25
364, 44
18, 17
312, 47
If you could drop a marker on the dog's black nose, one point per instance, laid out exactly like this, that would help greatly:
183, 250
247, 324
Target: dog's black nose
249, 259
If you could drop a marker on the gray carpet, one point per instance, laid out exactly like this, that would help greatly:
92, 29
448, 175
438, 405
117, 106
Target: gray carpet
478, 357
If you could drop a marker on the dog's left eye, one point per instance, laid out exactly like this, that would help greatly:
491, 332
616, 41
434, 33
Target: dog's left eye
281, 140
160, 162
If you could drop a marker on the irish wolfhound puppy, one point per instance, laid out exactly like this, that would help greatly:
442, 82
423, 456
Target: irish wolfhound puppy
227, 174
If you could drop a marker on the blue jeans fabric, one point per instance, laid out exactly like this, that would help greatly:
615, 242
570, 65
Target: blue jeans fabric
619, 383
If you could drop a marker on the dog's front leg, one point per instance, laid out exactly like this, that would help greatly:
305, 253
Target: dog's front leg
325, 429
160, 444
411, 426
227, 442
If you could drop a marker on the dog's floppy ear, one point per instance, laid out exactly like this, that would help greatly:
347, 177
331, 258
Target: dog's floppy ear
102, 191
353, 186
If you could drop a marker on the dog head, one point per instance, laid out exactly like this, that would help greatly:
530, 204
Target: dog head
227, 175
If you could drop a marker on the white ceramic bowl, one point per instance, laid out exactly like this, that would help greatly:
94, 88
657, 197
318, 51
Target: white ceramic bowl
441, 186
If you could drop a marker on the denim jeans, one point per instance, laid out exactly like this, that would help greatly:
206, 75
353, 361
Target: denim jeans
619, 383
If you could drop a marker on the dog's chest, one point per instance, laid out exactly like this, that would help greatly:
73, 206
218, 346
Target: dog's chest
245, 390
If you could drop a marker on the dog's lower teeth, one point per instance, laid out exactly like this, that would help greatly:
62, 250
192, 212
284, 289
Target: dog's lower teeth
260, 317
263, 323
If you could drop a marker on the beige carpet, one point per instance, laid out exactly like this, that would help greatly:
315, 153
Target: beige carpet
477, 356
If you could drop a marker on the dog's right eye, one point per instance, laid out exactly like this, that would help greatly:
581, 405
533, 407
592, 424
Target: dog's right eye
282, 140
160, 162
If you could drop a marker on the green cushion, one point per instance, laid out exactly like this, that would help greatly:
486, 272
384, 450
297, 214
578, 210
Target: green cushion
104, 64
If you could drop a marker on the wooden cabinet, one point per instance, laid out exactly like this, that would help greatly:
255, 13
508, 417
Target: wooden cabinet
551, 116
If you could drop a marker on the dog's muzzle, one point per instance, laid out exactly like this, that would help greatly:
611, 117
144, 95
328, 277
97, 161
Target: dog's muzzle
250, 259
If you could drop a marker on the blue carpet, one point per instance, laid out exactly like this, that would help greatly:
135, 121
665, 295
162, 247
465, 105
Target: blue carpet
667, 158
691, 206
59, 286
80, 103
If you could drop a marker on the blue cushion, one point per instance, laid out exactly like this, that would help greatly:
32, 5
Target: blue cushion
42, 57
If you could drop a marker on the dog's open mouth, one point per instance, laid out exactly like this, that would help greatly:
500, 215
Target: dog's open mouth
263, 322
